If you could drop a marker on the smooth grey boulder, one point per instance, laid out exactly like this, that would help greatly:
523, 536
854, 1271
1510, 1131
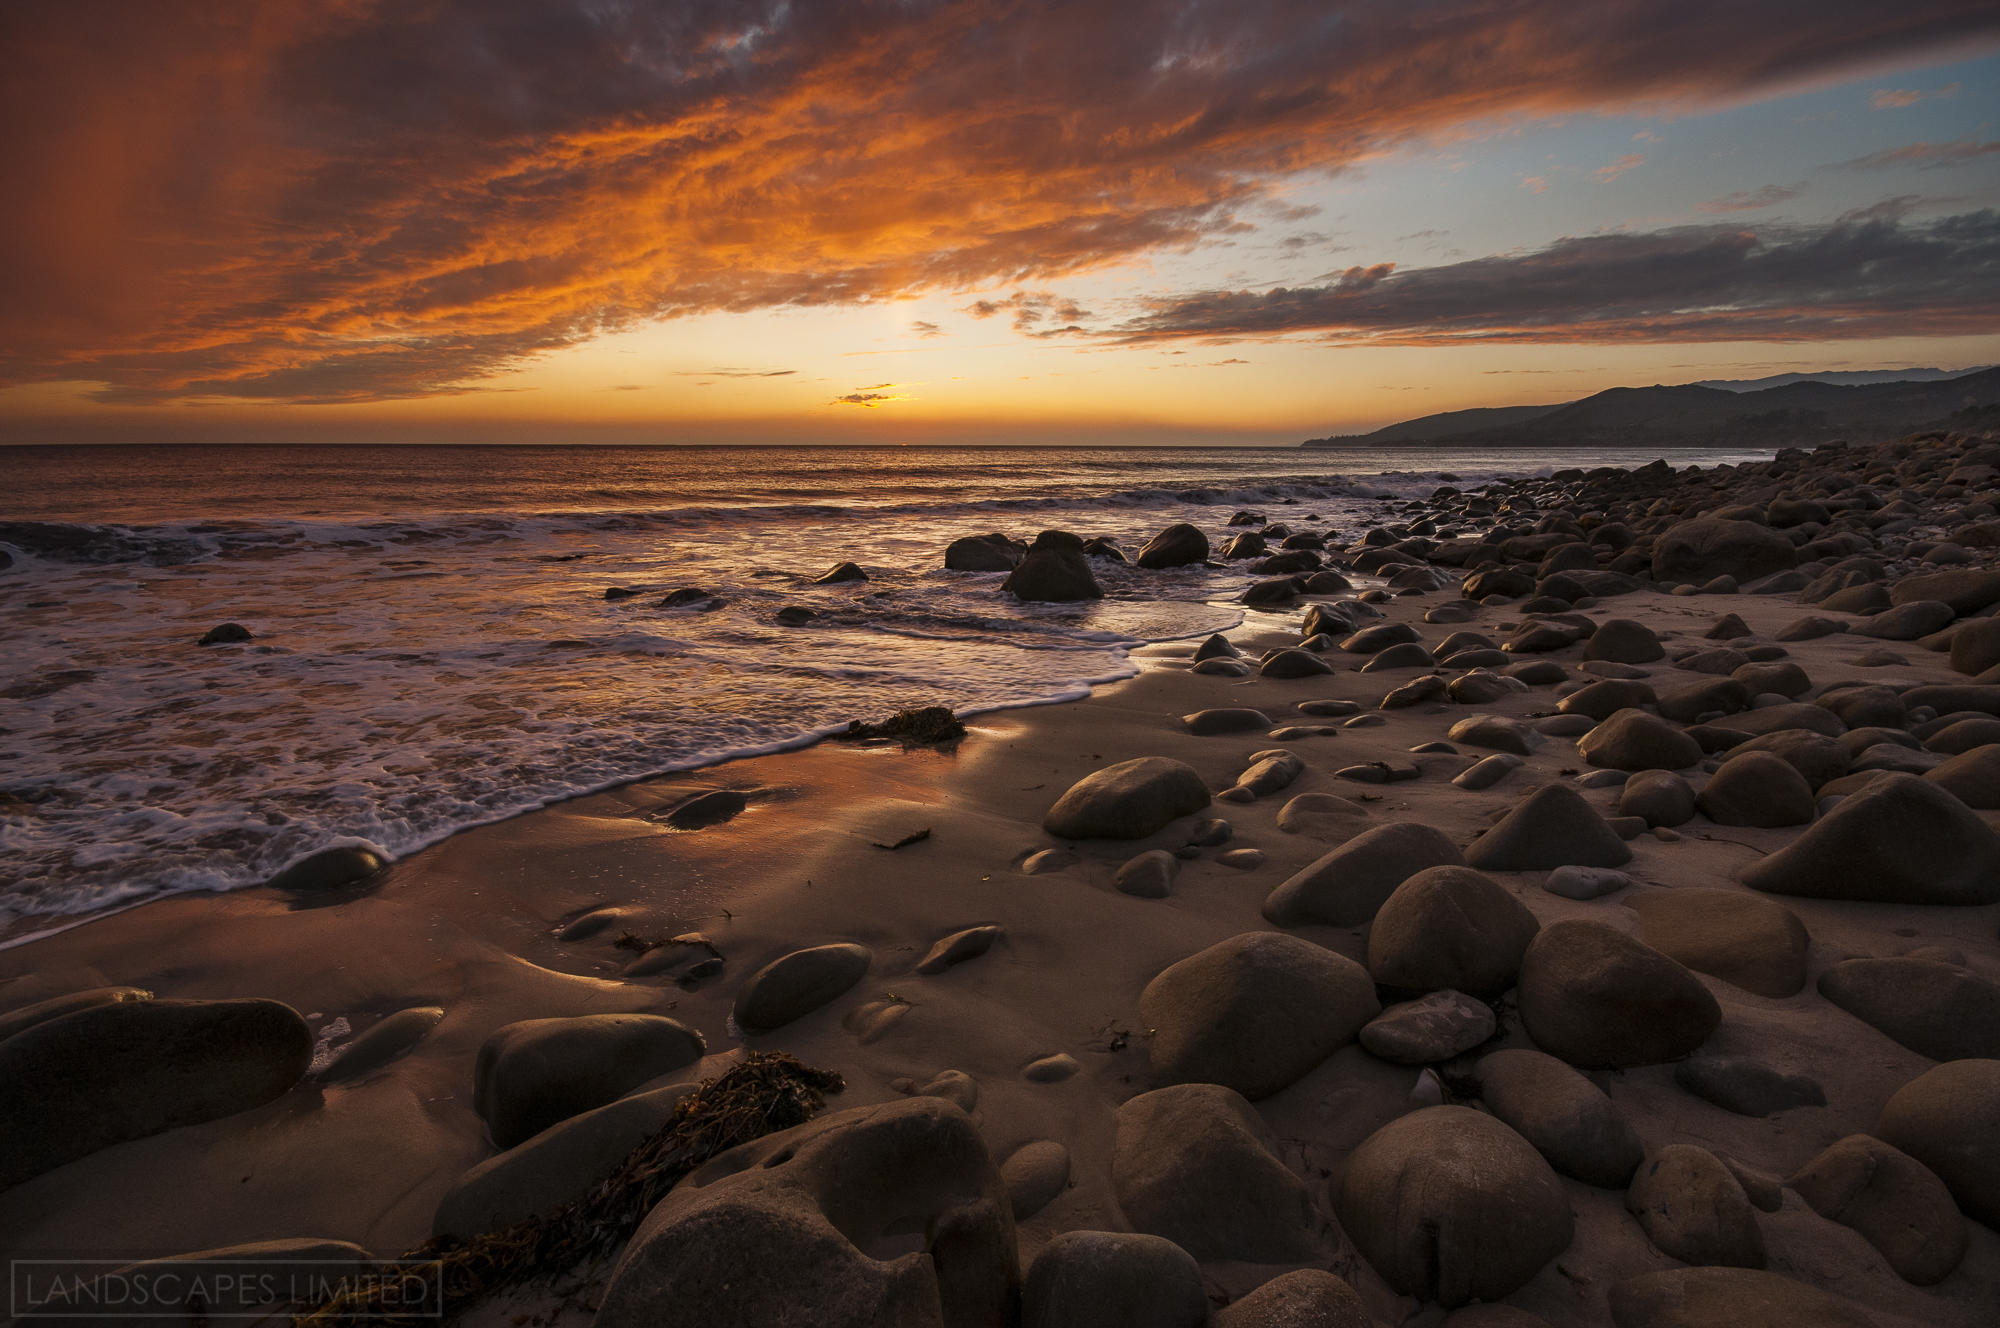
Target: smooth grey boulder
782, 1230
554, 1167
532, 1074
1758, 789
1479, 688
1810, 629
1346, 887
1253, 1013
1429, 1029
1693, 1209
125, 1070
1745, 939
1900, 840
1623, 641
1488, 771
1406, 655
1302, 1298
1948, 1119
1113, 1279
1661, 797
1054, 570
1203, 723
1150, 875
796, 984
1601, 1000
843, 572
1567, 1118
1551, 827
1896, 1202
1176, 546
1727, 1298
1747, 1086
1196, 1164
1635, 740
1450, 928
1129, 800
1975, 646
1935, 1009
1450, 1205
382, 1043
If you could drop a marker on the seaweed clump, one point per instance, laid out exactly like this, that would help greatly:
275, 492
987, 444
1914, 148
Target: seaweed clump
931, 724
768, 1092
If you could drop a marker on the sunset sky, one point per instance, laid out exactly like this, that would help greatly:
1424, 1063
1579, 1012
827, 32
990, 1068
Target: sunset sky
716, 221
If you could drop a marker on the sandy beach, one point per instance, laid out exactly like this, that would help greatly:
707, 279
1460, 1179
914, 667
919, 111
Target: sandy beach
895, 848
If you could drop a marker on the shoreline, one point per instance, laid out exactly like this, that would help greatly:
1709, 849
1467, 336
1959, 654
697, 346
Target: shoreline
471, 924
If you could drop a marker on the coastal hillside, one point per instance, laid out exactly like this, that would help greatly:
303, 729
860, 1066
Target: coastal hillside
1692, 415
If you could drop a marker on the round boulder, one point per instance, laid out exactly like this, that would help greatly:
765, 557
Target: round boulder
1112, 1279
1705, 548
1758, 789
795, 985
1129, 800
1551, 827
1176, 546
1567, 1118
1896, 1202
1254, 1013
1754, 943
1302, 1298
532, 1074
1601, 1000
1949, 1119
1660, 796
1450, 928
1935, 1009
1346, 887
1901, 840
1635, 740
1693, 1209
1973, 777
1450, 1205
1054, 570
1623, 641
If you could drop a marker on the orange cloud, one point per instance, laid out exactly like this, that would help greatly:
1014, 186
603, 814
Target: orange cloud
360, 199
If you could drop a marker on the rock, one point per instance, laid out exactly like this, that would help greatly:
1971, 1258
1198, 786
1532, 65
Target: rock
1054, 570
1810, 629
1950, 699
1278, 593
793, 615
1242, 859
1705, 548
1488, 772
1222, 668
1906, 622
27, 1016
1567, 1119
1865, 599
1600, 999
1450, 928
128, 1069
1210, 834
1623, 641
1694, 1210
1938, 1010
1033, 1175
1864, 707
1450, 1205
1370, 640
1204, 723
1728, 1298
1973, 777
1480, 688
1217, 646
794, 986
1148, 876
1601, 700
1346, 887
226, 634
1049, 860
1176, 546
1323, 816
1963, 736
1051, 1069
1782, 719
1900, 840
329, 869
1293, 663
1414, 693
1947, 1119
1690, 701
532, 1074
840, 572
1757, 789
1660, 797
1717, 662
1818, 758
1497, 733
1405, 655
1129, 800
1896, 1202
1746, 1086
1779, 677
1429, 1029
1975, 646
956, 948
707, 1252
1634, 740
1302, 1298
1551, 827
1537, 672
382, 1043
1253, 1013
1112, 1279
555, 1166
1729, 627
984, 553
1247, 545
1270, 771
1585, 882
1196, 1164
1965, 592
1744, 939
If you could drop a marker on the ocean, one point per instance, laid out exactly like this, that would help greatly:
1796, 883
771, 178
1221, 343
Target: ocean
432, 646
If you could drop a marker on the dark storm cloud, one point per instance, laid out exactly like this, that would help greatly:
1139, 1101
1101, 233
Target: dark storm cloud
268, 199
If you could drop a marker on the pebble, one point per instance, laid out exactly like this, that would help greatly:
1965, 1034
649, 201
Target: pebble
1150, 875
1585, 882
1050, 1069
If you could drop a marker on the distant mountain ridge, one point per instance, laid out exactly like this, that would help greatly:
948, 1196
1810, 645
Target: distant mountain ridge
1693, 415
